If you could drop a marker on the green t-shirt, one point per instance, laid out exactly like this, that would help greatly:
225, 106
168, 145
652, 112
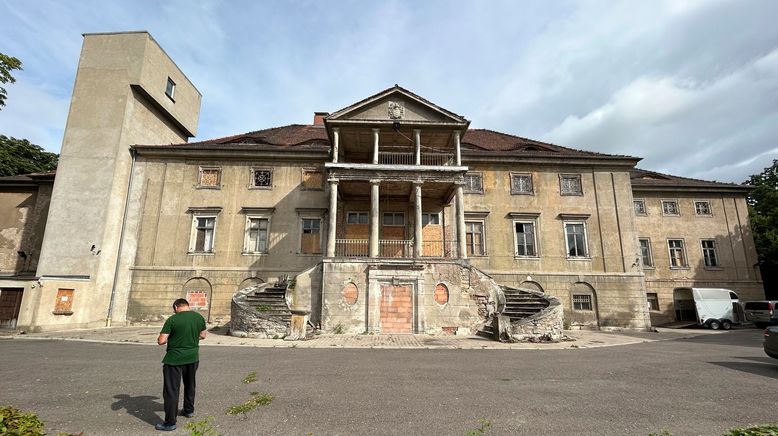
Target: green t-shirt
183, 344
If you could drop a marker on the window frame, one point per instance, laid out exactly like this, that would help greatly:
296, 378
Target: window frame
650, 264
697, 212
252, 179
247, 249
562, 192
685, 259
717, 263
428, 217
200, 170
196, 216
514, 189
655, 299
643, 202
482, 223
589, 301
534, 225
480, 176
394, 215
170, 91
587, 254
677, 207
358, 213
301, 224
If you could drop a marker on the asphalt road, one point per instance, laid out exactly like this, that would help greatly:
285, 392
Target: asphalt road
698, 386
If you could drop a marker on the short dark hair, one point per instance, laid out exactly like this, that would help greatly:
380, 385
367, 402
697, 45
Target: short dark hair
180, 302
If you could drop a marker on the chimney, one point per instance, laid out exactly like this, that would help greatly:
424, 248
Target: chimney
318, 118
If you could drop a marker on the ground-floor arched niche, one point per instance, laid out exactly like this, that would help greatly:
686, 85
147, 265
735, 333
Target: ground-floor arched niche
198, 292
529, 284
250, 281
583, 308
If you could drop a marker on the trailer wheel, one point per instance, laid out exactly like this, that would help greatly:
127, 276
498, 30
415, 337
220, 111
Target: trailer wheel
726, 325
714, 324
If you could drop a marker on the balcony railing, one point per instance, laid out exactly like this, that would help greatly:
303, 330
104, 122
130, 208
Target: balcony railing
396, 248
397, 158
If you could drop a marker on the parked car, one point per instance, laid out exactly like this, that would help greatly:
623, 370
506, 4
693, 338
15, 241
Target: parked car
771, 342
762, 313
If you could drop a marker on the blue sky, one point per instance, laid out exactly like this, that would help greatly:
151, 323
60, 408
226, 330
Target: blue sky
690, 86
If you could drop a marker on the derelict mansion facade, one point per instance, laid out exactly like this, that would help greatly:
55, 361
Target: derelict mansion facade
390, 190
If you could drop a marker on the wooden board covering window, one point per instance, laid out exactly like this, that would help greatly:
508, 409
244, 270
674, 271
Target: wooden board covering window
313, 179
311, 243
64, 303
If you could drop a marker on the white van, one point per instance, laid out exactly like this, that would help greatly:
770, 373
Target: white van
713, 307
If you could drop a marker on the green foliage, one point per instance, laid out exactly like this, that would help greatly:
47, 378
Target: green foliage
484, 427
250, 378
762, 430
202, 428
20, 156
13, 422
339, 329
263, 308
258, 399
661, 433
7, 64
763, 209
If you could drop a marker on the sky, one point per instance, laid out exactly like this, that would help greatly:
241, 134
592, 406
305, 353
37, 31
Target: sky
689, 86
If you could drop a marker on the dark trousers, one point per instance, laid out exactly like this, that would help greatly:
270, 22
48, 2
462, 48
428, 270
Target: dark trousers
171, 379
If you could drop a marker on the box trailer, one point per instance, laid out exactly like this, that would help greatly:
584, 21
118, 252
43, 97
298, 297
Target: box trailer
713, 307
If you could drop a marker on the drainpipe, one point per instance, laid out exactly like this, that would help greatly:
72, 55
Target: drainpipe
121, 240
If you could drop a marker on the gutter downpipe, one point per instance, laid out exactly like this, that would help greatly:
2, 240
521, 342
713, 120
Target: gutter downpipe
121, 239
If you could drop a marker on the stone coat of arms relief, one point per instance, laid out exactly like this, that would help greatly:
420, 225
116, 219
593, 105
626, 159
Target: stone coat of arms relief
396, 110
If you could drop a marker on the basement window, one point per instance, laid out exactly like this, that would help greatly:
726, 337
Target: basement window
582, 302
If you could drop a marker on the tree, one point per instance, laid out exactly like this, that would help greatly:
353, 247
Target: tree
20, 156
7, 64
763, 209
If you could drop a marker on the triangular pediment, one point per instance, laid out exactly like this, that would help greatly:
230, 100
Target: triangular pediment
396, 104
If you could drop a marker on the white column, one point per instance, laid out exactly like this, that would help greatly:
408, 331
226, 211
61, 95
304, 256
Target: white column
417, 240
333, 219
374, 215
335, 144
458, 150
417, 139
375, 145
461, 238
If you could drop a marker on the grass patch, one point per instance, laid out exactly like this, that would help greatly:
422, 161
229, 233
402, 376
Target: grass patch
202, 428
484, 426
250, 378
15, 422
762, 430
258, 399
263, 308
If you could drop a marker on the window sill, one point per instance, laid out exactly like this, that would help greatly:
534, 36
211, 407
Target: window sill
261, 188
255, 253
200, 253
704, 216
63, 312
473, 192
573, 194
649, 268
713, 268
522, 193
216, 188
578, 258
671, 215
311, 254
518, 257
682, 268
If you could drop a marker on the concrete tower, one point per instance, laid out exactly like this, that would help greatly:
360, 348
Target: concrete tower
127, 91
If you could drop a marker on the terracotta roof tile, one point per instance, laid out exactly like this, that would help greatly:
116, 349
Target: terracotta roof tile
489, 140
645, 178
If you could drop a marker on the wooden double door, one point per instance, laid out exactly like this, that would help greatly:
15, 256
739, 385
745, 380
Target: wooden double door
10, 305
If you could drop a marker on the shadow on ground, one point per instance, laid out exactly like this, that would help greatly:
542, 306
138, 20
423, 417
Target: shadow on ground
142, 407
763, 366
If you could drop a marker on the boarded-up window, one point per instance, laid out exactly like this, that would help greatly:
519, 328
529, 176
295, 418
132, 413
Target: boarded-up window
197, 299
64, 303
312, 179
441, 294
210, 177
350, 294
310, 242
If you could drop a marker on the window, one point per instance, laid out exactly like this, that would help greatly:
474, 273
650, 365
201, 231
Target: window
63, 305
582, 302
261, 178
670, 207
474, 238
257, 235
653, 301
709, 253
525, 238
394, 219
474, 183
209, 177
677, 253
312, 179
430, 218
702, 208
645, 252
640, 207
570, 184
170, 88
575, 235
356, 218
521, 184
203, 232
310, 241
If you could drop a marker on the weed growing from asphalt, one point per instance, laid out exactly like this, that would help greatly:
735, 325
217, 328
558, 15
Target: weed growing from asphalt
258, 399
250, 378
202, 428
482, 429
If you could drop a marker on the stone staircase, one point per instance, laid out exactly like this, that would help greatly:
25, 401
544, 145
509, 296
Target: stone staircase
271, 302
517, 306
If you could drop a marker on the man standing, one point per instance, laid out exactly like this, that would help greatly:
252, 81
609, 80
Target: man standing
182, 333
